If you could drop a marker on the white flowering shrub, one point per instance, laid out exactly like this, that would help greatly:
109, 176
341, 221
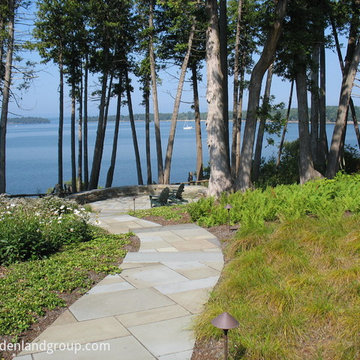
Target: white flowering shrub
35, 228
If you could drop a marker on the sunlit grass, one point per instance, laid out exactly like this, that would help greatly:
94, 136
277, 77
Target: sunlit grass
294, 286
166, 212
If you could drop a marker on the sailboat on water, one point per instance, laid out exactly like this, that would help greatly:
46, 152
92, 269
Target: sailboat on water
187, 126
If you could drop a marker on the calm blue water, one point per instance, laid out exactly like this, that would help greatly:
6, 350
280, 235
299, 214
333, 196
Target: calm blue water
32, 154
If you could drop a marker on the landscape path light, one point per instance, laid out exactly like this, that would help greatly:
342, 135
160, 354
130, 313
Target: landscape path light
134, 198
228, 207
225, 322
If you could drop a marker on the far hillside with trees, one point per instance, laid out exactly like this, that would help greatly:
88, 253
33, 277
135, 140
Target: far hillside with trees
28, 120
331, 112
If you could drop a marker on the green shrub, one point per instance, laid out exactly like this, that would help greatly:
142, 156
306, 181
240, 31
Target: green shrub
286, 173
200, 209
34, 229
351, 159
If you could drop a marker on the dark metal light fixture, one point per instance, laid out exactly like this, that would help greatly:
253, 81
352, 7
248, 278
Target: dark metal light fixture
134, 198
228, 207
225, 322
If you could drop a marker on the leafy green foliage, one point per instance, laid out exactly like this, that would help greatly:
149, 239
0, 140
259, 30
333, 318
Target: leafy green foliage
286, 173
29, 288
36, 228
351, 159
320, 198
288, 170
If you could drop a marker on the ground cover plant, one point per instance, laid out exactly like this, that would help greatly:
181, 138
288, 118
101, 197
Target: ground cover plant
292, 273
29, 288
256, 207
83, 254
176, 212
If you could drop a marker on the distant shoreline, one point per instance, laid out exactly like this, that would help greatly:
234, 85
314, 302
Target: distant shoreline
36, 121
28, 121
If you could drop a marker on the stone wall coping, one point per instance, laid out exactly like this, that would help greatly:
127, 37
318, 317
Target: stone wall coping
85, 197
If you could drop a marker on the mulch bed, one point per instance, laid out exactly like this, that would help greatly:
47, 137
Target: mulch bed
51, 315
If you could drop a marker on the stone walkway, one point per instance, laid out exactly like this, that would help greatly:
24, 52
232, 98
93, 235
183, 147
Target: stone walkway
146, 312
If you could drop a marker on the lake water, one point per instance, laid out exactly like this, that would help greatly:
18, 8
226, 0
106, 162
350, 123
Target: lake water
32, 153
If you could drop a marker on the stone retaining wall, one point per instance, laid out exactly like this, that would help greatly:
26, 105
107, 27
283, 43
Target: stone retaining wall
190, 191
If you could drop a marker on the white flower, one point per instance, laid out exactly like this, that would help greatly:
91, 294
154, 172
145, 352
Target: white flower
62, 207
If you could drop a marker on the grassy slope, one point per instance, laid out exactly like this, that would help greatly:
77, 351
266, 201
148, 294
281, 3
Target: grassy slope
294, 286
294, 289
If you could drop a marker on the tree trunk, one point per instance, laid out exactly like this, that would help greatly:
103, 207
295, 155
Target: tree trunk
80, 138
108, 98
199, 152
236, 120
220, 178
286, 123
266, 58
147, 131
323, 143
73, 144
175, 113
110, 173
100, 136
261, 131
133, 130
224, 68
342, 66
346, 88
355, 121
6, 96
306, 166
155, 97
239, 124
342, 143
61, 125
2, 41
86, 157
315, 107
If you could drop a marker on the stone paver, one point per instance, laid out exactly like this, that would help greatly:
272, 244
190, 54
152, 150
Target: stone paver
146, 312
165, 337
118, 302
125, 348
